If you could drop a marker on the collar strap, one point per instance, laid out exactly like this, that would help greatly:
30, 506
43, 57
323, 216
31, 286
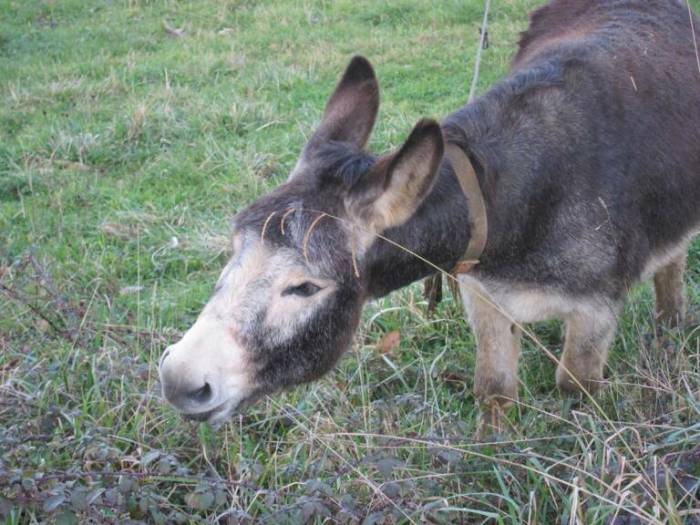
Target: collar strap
468, 181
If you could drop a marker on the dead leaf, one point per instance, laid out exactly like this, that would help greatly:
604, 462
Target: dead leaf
454, 377
389, 342
121, 231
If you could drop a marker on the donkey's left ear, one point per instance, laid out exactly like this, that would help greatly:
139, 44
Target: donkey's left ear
396, 185
350, 112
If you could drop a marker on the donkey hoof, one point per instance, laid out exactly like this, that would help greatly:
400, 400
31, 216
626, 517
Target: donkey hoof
573, 386
492, 422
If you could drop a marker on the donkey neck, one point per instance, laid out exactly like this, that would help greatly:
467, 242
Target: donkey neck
501, 148
438, 232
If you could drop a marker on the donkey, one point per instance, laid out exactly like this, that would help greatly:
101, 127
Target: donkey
571, 180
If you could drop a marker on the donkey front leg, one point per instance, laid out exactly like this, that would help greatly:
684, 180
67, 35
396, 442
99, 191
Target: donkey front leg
589, 334
498, 350
670, 293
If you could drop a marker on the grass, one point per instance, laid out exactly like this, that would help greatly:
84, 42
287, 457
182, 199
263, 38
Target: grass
130, 131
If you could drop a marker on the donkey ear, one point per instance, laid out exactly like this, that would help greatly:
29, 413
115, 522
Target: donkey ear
350, 112
352, 108
396, 185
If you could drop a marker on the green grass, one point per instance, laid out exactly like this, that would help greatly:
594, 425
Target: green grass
125, 149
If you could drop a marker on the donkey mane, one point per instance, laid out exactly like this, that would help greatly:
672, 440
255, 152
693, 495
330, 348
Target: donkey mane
342, 164
567, 22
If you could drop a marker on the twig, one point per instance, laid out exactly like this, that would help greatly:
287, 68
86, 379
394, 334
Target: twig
482, 40
47, 282
692, 28
64, 475
636, 510
15, 296
284, 218
264, 228
355, 268
67, 314
307, 236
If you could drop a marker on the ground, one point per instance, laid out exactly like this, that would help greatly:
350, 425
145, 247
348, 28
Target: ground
130, 132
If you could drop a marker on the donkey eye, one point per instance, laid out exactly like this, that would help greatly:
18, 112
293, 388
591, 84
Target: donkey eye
306, 289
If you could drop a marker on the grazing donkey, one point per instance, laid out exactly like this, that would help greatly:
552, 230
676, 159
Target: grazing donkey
572, 179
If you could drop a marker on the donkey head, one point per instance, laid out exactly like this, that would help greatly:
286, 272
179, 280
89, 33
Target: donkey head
288, 302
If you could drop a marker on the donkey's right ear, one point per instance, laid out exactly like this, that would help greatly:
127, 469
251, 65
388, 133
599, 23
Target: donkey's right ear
393, 189
352, 109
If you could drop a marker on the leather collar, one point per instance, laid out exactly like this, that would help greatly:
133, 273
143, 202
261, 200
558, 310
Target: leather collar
471, 188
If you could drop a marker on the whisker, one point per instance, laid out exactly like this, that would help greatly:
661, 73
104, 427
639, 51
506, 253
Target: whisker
264, 228
307, 235
284, 218
354, 258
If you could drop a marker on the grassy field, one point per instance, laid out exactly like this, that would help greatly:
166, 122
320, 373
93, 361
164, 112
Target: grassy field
130, 132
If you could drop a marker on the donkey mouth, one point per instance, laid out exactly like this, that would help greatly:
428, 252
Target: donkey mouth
202, 416
218, 415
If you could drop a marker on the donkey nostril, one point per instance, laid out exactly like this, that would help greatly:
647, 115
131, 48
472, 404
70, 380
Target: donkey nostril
201, 395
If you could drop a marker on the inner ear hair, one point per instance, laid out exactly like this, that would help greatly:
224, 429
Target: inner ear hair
396, 185
350, 113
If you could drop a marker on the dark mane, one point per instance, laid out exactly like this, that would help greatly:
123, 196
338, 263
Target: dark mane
555, 18
340, 163
597, 22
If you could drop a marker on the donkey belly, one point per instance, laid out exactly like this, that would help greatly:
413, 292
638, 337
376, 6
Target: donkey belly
525, 302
